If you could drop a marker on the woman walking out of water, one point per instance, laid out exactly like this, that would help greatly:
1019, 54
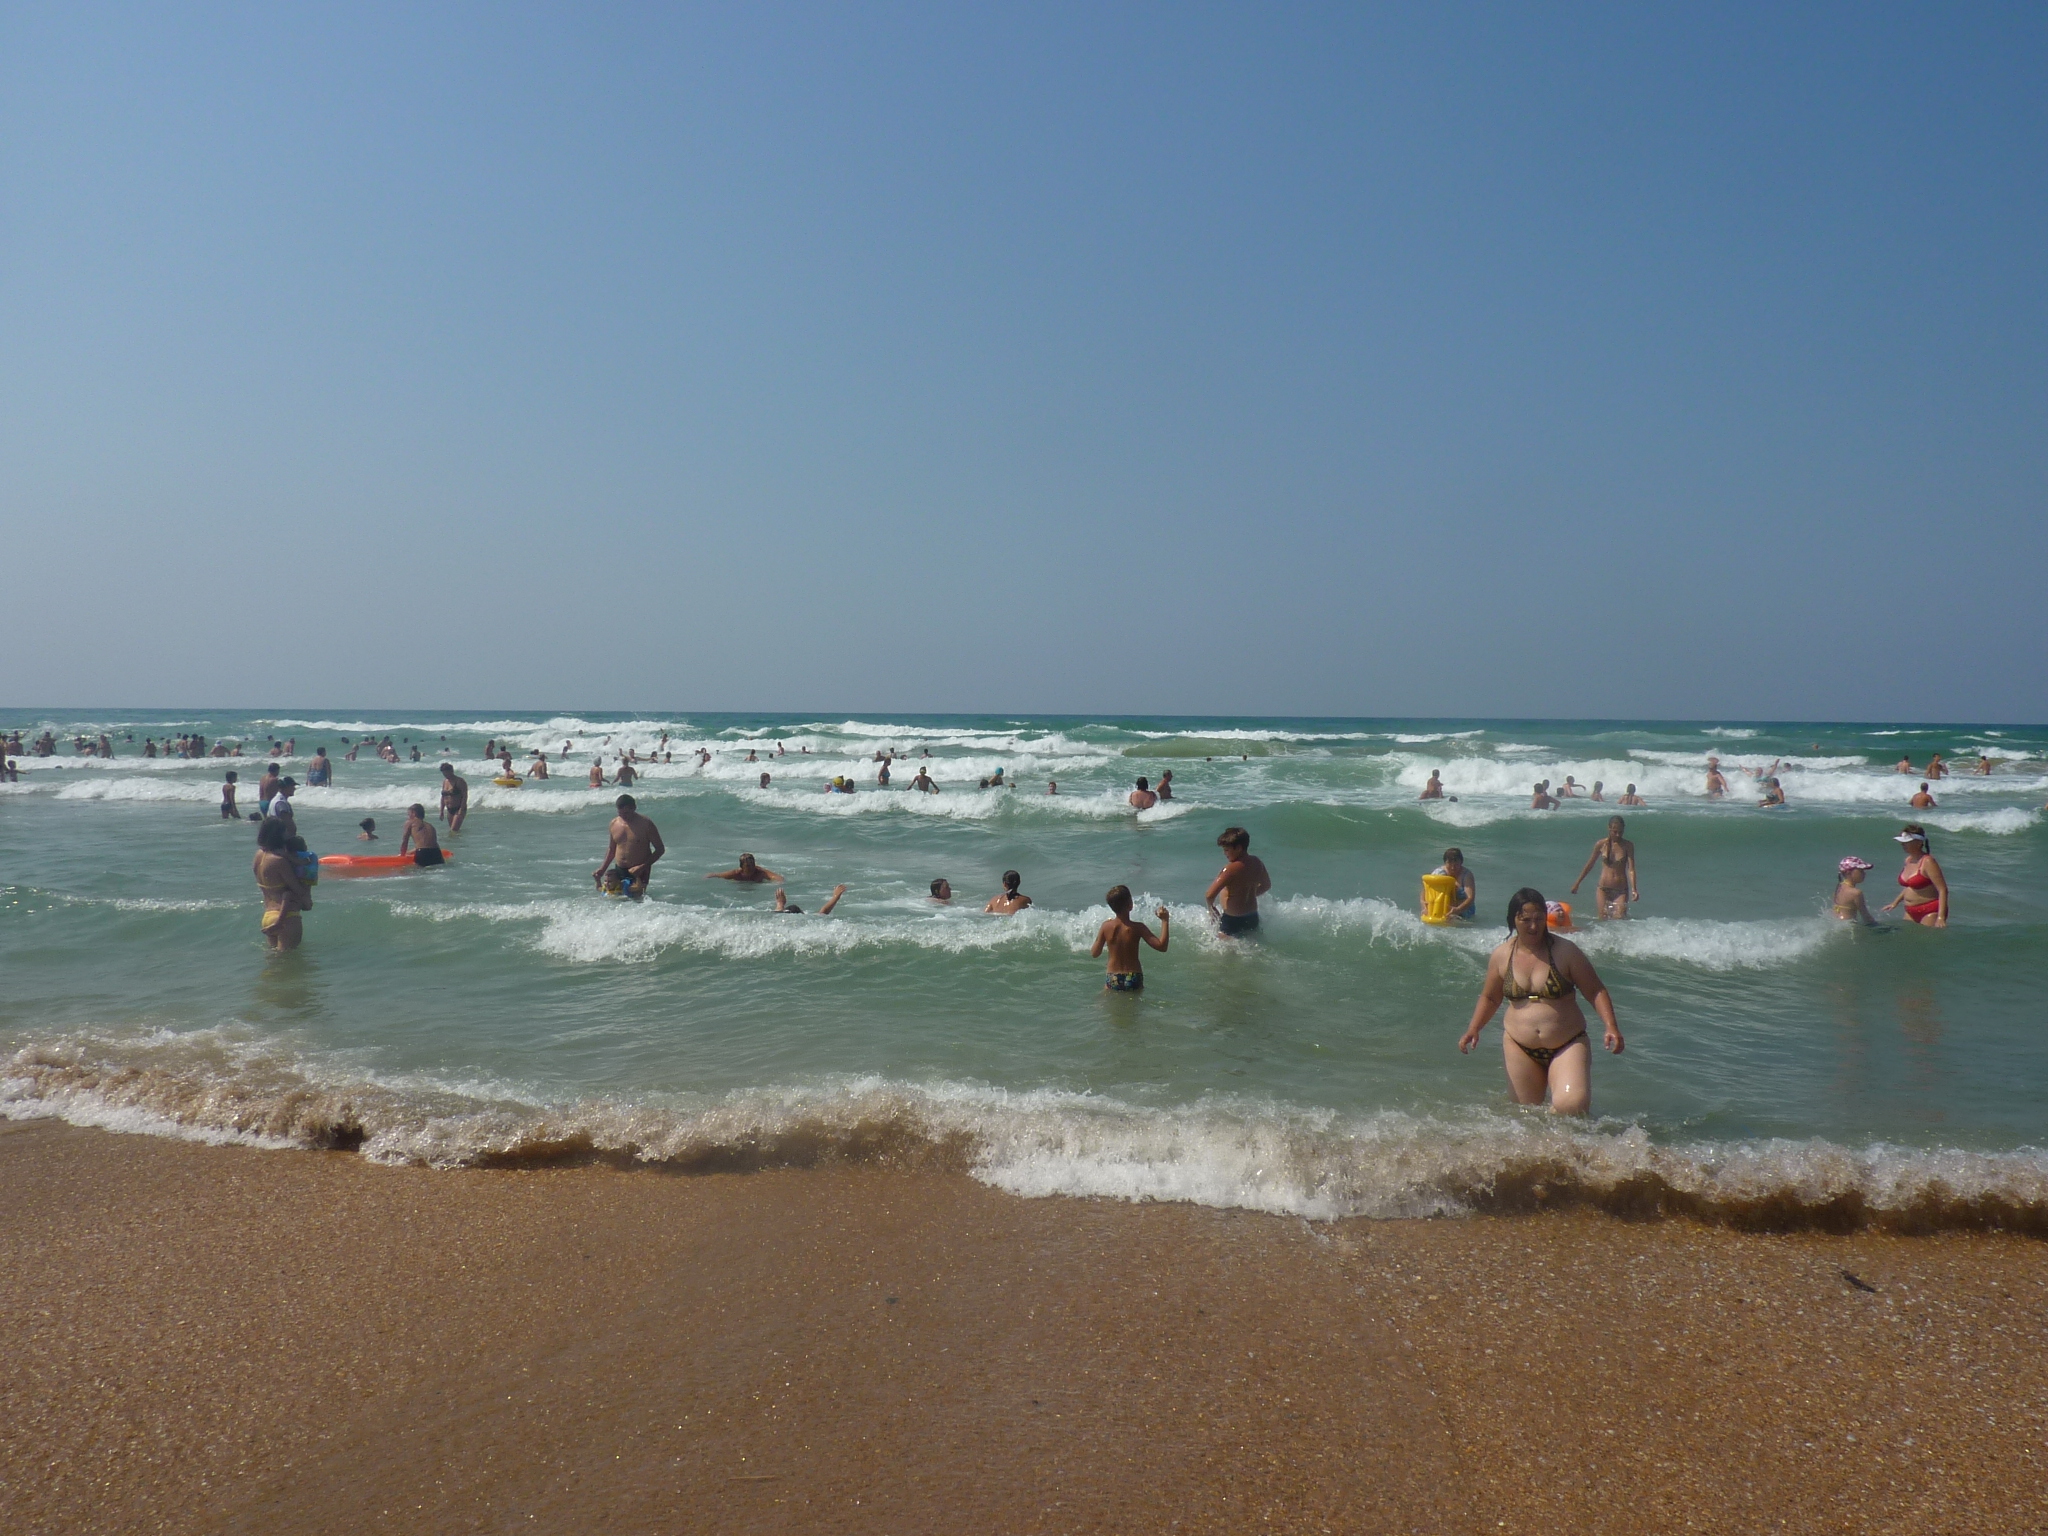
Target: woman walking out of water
1922, 886
1537, 974
1616, 856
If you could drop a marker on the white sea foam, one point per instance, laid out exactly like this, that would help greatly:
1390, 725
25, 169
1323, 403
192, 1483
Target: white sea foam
1241, 1153
1999, 823
1731, 732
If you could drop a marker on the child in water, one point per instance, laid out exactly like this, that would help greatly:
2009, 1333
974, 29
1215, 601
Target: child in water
227, 801
369, 832
1122, 937
1850, 906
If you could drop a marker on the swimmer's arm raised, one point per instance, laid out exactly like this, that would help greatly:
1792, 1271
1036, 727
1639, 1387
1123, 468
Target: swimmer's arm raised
1165, 932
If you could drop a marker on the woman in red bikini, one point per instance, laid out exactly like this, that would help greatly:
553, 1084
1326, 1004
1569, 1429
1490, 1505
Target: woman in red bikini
1922, 886
1537, 974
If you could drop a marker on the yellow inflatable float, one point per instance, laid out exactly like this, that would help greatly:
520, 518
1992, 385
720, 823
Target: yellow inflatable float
1438, 893
508, 781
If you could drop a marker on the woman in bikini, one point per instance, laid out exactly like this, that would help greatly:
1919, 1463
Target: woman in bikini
1922, 886
1616, 856
1537, 973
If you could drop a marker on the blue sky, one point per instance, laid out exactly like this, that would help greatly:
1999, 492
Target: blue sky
1613, 361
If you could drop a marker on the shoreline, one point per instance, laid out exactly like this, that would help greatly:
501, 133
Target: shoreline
226, 1339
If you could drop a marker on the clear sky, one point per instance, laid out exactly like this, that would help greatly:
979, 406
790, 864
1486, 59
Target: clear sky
1427, 360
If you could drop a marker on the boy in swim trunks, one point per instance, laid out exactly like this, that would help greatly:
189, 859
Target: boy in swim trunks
1121, 937
227, 801
420, 837
1243, 881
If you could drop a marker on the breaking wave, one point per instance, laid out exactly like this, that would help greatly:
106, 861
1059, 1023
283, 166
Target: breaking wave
1244, 1154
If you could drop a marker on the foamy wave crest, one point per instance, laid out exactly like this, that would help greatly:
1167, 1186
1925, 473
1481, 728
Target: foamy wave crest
1243, 1154
1999, 823
1705, 942
1731, 732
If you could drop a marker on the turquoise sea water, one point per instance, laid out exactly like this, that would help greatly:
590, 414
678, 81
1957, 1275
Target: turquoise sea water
499, 1008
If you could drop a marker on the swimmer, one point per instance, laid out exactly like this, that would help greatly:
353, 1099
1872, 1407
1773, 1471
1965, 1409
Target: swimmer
923, 783
1936, 768
635, 843
1774, 796
320, 772
1052, 786
1921, 880
1541, 800
284, 890
597, 773
882, 778
625, 776
747, 872
454, 797
1142, 798
1544, 1044
1121, 937
783, 908
1630, 797
1571, 789
1984, 766
764, 781
1012, 899
1616, 856
1923, 801
539, 770
1850, 905
1242, 882
752, 757
420, 838
1164, 788
228, 812
942, 890
1598, 790
1434, 789
1468, 884
369, 832
267, 786
1716, 785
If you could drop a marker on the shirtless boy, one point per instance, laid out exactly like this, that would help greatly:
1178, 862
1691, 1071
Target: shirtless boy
1716, 785
1616, 856
420, 838
748, 872
1243, 881
454, 797
227, 801
634, 846
1121, 937
1434, 789
1142, 798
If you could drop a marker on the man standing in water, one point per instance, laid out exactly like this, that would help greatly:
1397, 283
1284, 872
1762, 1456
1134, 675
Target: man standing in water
1616, 856
1243, 881
454, 797
1716, 785
1142, 798
635, 845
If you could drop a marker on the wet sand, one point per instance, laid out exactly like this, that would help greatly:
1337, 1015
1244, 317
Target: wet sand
216, 1339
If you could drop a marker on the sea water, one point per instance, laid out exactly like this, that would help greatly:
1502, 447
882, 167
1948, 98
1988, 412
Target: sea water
1781, 1066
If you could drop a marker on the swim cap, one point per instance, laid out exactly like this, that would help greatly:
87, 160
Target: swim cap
1852, 862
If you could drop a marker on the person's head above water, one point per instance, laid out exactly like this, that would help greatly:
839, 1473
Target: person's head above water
746, 860
1119, 899
270, 836
1234, 840
624, 803
1143, 785
1912, 832
1615, 824
942, 889
1011, 880
1852, 865
1453, 857
418, 810
1520, 905
368, 823
231, 776
448, 769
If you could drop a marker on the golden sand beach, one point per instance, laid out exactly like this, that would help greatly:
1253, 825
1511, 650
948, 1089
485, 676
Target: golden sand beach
207, 1339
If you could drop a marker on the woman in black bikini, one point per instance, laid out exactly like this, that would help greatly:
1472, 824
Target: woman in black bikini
1537, 973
